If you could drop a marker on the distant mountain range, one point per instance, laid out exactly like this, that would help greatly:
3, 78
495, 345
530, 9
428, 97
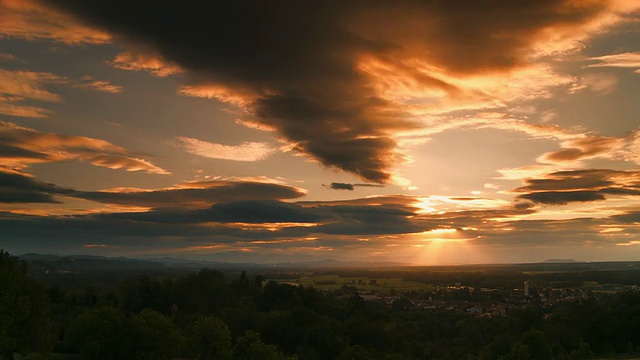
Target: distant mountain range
331, 263
87, 264
92, 262
560, 261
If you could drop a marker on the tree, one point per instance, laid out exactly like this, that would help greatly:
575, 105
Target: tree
583, 351
152, 335
209, 338
250, 347
355, 352
98, 333
25, 318
141, 293
203, 293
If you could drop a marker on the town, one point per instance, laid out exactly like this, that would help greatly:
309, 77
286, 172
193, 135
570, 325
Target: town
479, 302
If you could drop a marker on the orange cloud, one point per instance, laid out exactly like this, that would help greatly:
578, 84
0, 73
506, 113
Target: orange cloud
18, 85
592, 147
21, 146
600, 83
7, 108
30, 19
149, 62
237, 97
197, 194
88, 82
247, 151
624, 60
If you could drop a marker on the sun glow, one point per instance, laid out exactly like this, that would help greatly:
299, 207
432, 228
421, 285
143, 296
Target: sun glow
442, 231
443, 246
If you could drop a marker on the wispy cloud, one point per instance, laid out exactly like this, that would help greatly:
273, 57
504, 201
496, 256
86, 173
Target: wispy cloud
28, 85
139, 61
21, 147
88, 82
599, 83
20, 86
5, 57
624, 60
247, 151
7, 107
16, 87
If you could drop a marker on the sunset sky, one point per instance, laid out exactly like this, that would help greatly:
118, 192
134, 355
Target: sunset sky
424, 132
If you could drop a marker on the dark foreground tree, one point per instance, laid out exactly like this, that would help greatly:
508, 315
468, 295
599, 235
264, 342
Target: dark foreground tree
98, 334
25, 320
250, 347
154, 336
209, 338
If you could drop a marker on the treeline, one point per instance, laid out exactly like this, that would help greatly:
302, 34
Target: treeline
206, 316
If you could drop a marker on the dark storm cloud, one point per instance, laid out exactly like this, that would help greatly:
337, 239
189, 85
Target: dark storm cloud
295, 65
228, 221
66, 229
341, 186
329, 219
282, 225
14, 152
630, 217
563, 187
370, 220
569, 180
202, 194
563, 197
621, 191
348, 186
16, 187
264, 212
249, 211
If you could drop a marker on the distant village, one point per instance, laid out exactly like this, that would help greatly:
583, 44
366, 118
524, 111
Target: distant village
478, 302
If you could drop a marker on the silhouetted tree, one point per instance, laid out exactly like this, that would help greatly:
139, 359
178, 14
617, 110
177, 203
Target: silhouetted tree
250, 347
209, 338
98, 333
151, 335
25, 319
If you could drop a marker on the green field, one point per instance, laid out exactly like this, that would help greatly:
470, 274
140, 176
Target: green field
334, 282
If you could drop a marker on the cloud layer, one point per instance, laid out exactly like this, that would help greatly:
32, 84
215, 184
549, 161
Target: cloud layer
563, 187
234, 215
315, 72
